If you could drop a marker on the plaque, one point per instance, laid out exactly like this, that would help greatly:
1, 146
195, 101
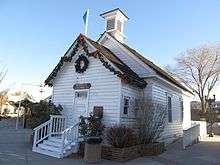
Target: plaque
82, 86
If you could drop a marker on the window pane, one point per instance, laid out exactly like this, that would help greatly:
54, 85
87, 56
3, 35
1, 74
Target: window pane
125, 110
126, 105
182, 109
169, 106
119, 26
110, 24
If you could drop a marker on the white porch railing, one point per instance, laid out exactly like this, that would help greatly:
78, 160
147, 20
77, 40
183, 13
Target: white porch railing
58, 124
54, 126
70, 136
191, 135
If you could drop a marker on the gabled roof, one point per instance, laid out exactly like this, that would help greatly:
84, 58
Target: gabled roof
113, 11
125, 73
117, 62
149, 63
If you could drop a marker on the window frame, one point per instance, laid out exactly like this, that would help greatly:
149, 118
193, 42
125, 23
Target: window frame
127, 106
119, 26
169, 109
181, 109
114, 24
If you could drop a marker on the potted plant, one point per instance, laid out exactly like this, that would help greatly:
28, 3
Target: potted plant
122, 142
90, 128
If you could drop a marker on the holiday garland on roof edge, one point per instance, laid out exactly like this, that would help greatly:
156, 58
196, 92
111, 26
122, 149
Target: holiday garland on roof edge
81, 41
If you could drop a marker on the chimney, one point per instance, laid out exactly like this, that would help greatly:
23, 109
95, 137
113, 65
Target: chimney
115, 20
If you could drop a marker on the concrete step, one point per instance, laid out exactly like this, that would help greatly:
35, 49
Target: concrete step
52, 143
55, 139
47, 152
50, 148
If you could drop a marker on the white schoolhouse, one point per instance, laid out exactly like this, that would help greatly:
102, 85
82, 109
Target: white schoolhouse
107, 73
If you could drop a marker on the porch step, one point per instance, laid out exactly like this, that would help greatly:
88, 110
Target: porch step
47, 152
55, 140
53, 147
50, 148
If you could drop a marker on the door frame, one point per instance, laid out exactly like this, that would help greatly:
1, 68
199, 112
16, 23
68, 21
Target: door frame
87, 100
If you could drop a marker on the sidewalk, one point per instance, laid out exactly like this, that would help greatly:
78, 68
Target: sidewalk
15, 149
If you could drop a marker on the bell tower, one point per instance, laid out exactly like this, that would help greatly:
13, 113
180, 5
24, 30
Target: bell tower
115, 20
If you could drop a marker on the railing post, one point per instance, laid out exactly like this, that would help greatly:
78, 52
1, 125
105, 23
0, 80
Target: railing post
51, 125
63, 143
34, 141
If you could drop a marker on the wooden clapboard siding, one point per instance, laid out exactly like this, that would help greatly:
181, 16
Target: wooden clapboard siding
104, 91
128, 58
133, 93
174, 129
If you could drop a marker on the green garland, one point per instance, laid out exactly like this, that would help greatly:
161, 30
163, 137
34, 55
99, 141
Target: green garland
78, 68
81, 41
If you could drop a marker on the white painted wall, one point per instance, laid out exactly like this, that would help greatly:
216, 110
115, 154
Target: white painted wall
174, 129
133, 93
187, 98
104, 91
128, 58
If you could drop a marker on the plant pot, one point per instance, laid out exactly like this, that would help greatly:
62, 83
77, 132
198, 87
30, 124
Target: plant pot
120, 154
152, 149
92, 152
93, 140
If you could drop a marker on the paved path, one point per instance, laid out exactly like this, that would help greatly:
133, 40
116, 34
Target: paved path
15, 149
203, 153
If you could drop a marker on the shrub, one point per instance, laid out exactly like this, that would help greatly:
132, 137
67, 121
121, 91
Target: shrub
150, 118
91, 128
40, 113
121, 136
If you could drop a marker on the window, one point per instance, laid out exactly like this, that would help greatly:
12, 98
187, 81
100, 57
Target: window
119, 25
182, 109
81, 94
169, 108
110, 24
126, 105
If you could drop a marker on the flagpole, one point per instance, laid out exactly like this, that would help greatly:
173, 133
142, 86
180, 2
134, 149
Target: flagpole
87, 21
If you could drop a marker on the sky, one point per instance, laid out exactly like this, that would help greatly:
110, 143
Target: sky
35, 34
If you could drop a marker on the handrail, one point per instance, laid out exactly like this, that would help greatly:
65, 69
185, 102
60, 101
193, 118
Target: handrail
70, 135
40, 126
54, 126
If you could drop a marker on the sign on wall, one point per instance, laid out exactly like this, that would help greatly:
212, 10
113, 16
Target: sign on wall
81, 86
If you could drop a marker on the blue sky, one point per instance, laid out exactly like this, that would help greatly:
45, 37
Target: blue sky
35, 34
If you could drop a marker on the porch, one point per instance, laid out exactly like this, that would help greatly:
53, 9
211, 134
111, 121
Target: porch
55, 139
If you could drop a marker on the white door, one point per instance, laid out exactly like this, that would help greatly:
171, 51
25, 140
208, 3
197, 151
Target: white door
81, 103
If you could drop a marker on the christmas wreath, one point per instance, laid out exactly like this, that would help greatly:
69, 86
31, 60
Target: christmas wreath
81, 64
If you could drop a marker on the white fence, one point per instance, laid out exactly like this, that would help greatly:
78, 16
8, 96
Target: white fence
203, 129
191, 135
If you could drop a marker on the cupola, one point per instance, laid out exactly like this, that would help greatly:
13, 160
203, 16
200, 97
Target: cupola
115, 20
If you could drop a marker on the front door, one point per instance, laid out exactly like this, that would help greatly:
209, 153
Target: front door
81, 103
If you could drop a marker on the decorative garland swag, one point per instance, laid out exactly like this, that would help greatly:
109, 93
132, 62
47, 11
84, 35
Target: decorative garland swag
81, 41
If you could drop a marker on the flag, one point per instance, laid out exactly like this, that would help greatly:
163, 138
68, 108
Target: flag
85, 20
85, 16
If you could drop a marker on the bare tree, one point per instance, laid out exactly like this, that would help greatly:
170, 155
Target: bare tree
151, 118
199, 69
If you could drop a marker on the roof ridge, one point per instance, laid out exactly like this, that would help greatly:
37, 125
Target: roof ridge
154, 66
